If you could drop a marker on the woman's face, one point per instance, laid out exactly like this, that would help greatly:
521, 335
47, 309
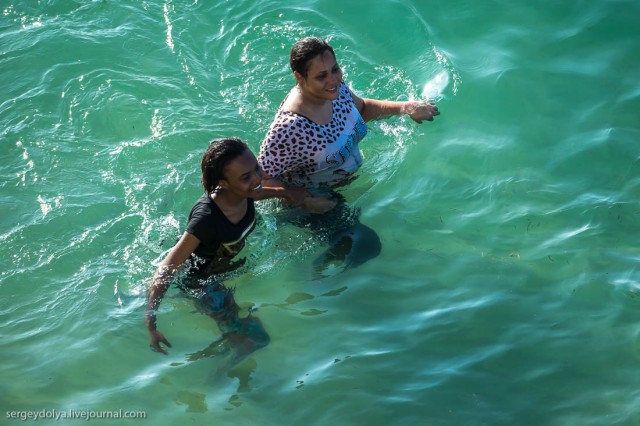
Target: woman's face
323, 79
242, 175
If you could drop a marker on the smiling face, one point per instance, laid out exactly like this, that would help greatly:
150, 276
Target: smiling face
323, 78
242, 175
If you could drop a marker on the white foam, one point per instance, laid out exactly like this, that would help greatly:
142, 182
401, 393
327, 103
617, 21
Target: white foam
433, 88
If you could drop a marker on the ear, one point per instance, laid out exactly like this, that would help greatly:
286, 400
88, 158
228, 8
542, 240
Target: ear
299, 77
222, 183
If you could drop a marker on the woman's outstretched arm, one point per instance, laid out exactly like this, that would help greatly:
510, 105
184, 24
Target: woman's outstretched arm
373, 109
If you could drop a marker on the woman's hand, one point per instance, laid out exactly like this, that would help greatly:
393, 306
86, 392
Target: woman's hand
155, 338
419, 111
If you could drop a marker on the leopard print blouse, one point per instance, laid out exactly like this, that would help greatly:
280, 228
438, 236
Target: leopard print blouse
303, 153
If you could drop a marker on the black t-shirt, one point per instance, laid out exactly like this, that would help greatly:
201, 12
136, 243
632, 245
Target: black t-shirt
220, 240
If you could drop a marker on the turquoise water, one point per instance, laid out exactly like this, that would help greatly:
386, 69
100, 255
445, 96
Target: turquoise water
507, 287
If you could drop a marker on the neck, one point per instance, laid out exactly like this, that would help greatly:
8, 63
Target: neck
227, 200
233, 207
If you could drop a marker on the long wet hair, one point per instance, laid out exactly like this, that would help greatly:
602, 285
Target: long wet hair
305, 50
220, 153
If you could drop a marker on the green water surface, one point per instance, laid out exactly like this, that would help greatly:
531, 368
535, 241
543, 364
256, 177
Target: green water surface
507, 288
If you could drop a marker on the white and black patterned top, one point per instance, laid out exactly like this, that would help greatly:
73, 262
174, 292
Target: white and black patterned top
303, 153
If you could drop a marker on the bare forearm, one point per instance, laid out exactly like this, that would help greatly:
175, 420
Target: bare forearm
296, 196
156, 293
274, 188
271, 188
373, 109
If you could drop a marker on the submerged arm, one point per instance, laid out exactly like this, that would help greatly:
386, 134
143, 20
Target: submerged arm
274, 188
161, 281
293, 195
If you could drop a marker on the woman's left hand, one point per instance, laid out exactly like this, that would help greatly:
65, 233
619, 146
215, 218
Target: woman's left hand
419, 111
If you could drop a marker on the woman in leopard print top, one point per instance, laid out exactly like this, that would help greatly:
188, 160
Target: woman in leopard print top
313, 140
304, 153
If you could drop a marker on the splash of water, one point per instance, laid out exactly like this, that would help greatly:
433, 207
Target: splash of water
434, 88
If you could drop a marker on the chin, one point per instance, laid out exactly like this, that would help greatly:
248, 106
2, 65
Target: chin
334, 95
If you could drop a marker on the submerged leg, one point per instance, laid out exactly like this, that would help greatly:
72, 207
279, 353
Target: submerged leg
216, 348
240, 336
248, 338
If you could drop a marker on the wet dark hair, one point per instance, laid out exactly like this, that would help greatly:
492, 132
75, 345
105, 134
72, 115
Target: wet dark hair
220, 153
305, 50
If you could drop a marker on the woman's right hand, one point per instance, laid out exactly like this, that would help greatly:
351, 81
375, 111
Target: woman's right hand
155, 338
318, 204
419, 111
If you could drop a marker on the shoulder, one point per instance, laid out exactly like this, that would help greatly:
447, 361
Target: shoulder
205, 216
347, 98
202, 205
345, 91
203, 210
285, 119
283, 125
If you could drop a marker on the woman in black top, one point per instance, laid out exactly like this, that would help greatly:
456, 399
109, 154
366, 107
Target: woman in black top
218, 224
